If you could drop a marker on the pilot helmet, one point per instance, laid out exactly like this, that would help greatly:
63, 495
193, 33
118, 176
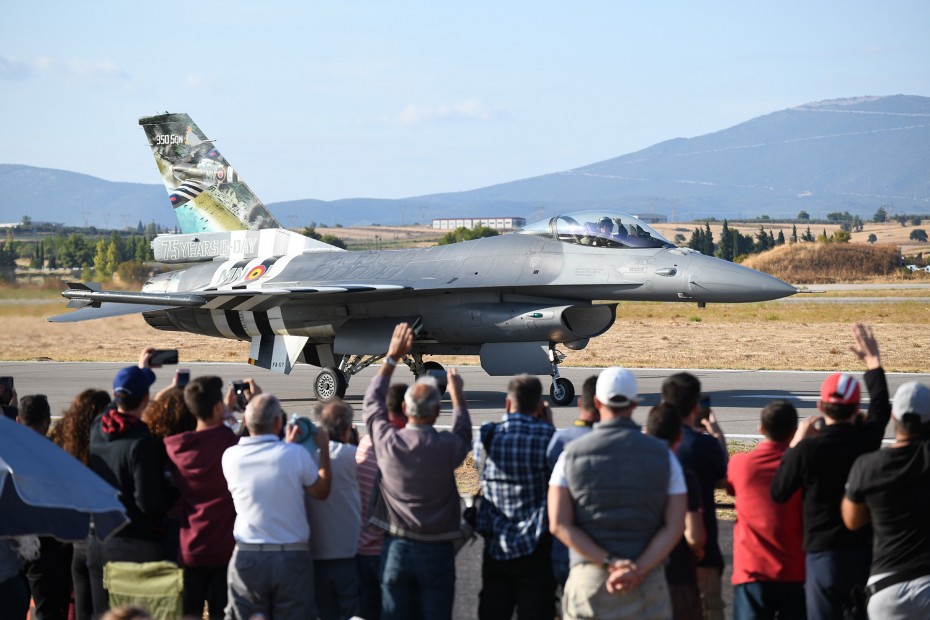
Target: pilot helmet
605, 222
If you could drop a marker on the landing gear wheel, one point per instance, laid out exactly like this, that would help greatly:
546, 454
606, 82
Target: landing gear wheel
441, 380
562, 391
330, 383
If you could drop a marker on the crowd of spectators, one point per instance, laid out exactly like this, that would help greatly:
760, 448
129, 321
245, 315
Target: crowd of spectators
612, 517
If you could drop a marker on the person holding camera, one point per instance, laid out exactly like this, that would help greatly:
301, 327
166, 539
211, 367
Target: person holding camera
335, 522
271, 569
125, 454
419, 501
821, 455
703, 450
516, 567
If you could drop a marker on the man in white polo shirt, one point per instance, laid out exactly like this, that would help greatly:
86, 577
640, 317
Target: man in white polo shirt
268, 479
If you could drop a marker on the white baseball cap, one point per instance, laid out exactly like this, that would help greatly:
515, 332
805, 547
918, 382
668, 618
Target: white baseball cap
616, 387
912, 397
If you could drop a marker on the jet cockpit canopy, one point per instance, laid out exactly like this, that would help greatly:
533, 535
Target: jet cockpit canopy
608, 229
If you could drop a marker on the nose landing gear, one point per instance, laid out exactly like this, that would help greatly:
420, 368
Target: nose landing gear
561, 391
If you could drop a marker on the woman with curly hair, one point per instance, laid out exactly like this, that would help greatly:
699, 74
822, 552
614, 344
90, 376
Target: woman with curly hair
72, 434
167, 414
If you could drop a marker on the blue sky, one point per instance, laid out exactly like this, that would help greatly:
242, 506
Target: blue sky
387, 100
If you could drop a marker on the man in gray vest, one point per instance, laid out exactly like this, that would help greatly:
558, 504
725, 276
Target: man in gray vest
617, 499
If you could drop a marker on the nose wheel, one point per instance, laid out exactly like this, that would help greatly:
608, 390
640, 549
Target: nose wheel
561, 391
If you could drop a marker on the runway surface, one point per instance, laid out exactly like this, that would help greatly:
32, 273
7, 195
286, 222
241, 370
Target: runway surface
737, 395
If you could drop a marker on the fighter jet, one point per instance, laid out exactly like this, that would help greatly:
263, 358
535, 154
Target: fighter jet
515, 300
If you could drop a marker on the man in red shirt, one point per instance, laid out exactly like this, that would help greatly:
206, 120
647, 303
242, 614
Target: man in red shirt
768, 559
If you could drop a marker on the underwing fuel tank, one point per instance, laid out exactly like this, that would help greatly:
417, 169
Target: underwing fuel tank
519, 322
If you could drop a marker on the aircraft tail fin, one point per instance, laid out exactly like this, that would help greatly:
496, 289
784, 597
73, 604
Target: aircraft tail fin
205, 191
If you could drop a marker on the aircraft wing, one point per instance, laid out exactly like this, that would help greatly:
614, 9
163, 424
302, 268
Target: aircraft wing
111, 310
90, 299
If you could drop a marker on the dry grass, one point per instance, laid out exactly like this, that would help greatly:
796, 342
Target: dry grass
828, 263
889, 232
466, 476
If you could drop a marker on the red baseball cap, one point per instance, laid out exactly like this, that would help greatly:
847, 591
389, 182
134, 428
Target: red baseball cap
840, 388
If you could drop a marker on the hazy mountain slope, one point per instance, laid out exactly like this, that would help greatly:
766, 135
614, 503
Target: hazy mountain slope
840, 155
48, 195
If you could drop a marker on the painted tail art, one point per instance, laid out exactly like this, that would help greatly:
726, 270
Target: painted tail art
205, 191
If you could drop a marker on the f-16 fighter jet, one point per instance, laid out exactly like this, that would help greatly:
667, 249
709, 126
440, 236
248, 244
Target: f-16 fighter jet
515, 300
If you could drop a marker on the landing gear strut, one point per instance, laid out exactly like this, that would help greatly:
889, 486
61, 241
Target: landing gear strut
561, 391
419, 368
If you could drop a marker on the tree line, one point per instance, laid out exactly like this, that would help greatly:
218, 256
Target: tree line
100, 257
734, 245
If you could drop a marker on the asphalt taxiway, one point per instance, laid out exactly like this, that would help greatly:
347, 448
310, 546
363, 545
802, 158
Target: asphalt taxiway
737, 396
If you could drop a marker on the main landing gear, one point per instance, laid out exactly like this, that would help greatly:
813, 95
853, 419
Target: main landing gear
332, 383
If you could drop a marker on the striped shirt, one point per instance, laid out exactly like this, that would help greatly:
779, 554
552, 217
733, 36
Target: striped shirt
371, 537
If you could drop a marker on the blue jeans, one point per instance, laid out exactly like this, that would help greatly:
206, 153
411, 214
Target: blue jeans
417, 579
831, 576
766, 600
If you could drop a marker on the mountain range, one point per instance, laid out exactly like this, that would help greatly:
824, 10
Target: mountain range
851, 155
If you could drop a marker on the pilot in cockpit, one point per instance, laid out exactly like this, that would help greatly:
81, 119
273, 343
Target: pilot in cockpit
601, 234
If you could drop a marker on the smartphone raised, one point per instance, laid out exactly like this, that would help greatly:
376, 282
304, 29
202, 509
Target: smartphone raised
160, 357
182, 377
239, 388
704, 407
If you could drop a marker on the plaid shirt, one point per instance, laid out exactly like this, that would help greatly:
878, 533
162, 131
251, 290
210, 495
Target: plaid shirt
512, 516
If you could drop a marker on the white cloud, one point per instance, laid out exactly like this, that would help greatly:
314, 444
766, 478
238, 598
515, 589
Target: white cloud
78, 68
13, 68
471, 109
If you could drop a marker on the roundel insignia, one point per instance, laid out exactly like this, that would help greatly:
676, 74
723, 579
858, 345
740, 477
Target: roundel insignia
256, 272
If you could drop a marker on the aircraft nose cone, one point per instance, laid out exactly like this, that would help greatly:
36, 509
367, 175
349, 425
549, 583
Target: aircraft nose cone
713, 279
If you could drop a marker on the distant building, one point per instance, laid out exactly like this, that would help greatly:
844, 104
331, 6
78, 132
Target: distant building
652, 218
498, 223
